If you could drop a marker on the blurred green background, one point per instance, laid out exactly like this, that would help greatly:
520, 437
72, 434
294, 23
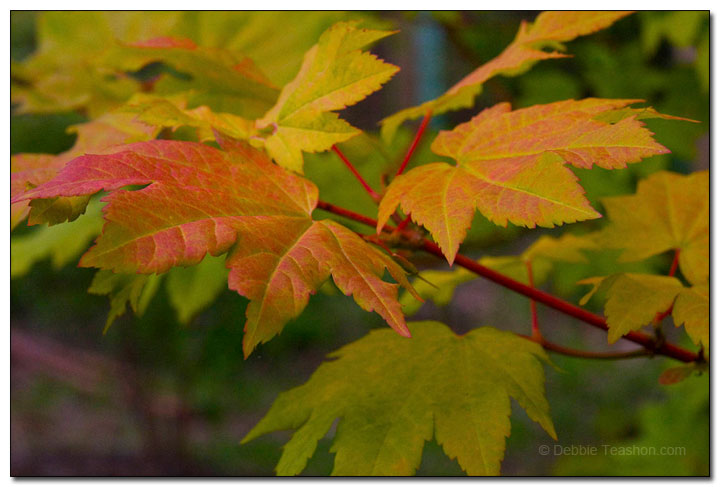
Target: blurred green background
157, 397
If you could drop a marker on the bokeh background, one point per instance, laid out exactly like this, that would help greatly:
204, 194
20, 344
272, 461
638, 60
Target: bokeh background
155, 396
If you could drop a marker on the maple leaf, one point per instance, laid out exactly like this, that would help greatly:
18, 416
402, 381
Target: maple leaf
30, 170
511, 167
137, 290
171, 111
668, 211
393, 395
221, 78
279, 56
541, 256
63, 73
635, 300
692, 309
550, 29
199, 199
335, 74
192, 289
61, 243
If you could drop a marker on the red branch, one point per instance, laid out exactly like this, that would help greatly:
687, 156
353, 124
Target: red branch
647, 341
533, 307
351, 215
415, 142
401, 226
370, 191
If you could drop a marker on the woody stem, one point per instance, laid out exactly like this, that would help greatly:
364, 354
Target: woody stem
647, 341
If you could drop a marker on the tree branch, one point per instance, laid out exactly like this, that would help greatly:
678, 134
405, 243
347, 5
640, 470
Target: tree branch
647, 341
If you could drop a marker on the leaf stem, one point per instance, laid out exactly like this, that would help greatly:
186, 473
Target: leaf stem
647, 341
368, 189
674, 265
401, 226
415, 142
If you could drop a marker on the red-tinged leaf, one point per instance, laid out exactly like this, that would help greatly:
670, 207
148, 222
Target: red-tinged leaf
167, 43
201, 200
511, 167
278, 271
30, 170
550, 29
196, 194
674, 375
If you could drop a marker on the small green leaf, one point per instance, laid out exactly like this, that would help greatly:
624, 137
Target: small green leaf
134, 289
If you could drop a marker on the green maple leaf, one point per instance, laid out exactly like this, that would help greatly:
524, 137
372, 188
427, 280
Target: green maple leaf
635, 300
171, 111
61, 243
335, 74
668, 211
64, 72
550, 29
393, 395
200, 200
223, 79
511, 166
279, 56
192, 289
137, 290
692, 309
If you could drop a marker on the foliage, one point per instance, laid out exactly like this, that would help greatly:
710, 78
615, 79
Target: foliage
463, 400
198, 140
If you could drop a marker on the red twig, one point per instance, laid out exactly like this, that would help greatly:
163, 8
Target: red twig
563, 306
533, 307
370, 191
401, 226
352, 215
647, 341
415, 142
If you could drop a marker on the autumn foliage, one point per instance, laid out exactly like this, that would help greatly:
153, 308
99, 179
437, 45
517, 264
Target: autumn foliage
211, 164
